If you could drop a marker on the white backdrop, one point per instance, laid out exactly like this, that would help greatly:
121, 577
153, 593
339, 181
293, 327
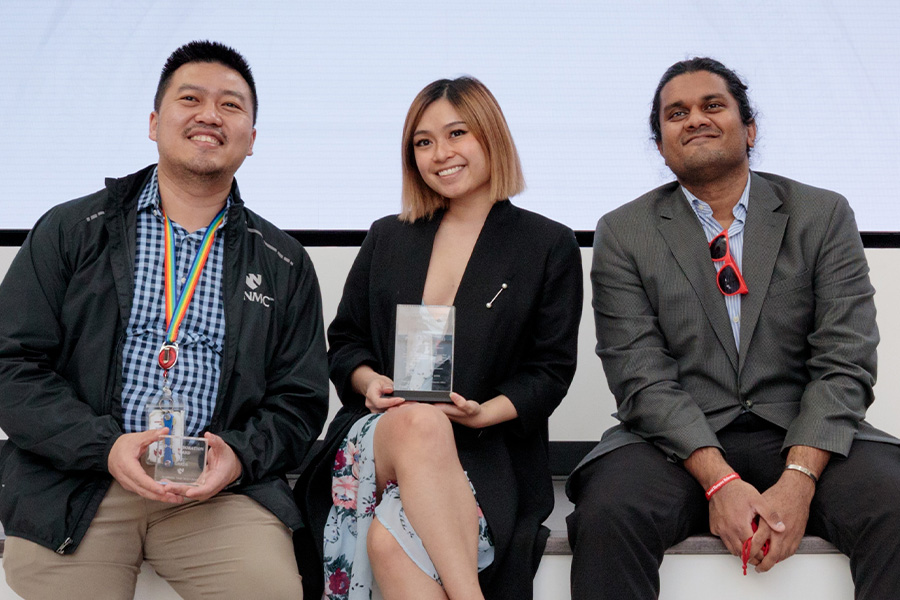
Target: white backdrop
575, 79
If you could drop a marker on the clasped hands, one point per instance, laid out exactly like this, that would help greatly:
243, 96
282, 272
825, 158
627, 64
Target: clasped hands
127, 455
782, 512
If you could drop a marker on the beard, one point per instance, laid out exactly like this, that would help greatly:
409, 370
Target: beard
704, 167
202, 170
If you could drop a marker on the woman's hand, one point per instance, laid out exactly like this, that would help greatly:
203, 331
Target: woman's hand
477, 416
462, 411
376, 388
378, 394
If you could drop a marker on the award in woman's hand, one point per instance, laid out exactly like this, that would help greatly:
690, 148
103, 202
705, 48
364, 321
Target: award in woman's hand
423, 352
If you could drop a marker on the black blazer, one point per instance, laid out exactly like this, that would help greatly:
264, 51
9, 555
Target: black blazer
524, 346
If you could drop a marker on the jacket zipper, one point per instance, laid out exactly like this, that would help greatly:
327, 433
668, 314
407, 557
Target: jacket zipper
65, 544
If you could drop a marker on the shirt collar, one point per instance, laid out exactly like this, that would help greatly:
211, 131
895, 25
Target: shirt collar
739, 211
149, 197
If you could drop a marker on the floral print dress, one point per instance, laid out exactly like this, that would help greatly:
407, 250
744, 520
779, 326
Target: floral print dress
348, 574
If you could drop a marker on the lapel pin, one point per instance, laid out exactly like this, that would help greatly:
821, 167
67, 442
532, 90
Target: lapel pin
500, 291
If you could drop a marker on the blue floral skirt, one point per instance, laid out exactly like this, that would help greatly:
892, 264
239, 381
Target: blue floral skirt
348, 574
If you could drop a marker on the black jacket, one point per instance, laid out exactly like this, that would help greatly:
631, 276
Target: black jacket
524, 347
65, 303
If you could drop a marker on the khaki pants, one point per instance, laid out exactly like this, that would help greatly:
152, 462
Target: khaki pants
226, 547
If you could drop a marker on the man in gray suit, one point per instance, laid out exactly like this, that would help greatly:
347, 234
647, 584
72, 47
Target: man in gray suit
736, 325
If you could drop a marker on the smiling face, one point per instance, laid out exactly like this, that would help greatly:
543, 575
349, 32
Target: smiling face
204, 126
702, 135
451, 161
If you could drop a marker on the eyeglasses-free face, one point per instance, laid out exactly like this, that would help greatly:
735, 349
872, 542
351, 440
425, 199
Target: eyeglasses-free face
729, 278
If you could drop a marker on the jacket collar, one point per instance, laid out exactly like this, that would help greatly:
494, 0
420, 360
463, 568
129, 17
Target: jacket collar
763, 235
125, 190
413, 284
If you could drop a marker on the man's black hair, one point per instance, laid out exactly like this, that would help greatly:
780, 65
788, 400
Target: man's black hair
736, 87
208, 52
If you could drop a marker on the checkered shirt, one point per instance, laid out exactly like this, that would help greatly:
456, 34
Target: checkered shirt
201, 338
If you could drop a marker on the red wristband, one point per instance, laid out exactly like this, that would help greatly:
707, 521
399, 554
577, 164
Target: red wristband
720, 484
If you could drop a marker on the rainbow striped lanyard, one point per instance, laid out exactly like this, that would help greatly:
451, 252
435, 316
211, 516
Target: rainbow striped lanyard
177, 304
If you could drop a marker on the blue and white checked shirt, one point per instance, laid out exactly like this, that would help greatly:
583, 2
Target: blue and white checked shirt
195, 377
712, 228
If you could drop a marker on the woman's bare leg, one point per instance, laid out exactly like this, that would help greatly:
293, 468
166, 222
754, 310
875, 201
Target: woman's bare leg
398, 577
414, 446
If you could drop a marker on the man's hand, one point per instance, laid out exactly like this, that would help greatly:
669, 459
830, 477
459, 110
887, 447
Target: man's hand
732, 510
791, 497
734, 507
222, 468
124, 465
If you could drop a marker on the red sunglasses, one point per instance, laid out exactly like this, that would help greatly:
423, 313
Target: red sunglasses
729, 279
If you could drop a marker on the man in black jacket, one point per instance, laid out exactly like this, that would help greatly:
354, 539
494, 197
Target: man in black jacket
161, 289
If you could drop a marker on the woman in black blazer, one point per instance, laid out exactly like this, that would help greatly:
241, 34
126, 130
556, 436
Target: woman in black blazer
516, 282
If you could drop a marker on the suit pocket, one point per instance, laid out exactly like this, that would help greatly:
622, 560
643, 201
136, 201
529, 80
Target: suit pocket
789, 284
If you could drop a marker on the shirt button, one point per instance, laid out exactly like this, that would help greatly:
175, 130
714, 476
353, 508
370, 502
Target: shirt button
183, 279
736, 319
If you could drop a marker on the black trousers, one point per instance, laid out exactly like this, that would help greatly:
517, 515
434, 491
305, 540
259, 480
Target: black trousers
632, 504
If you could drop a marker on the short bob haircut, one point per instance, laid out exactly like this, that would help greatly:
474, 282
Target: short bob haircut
481, 113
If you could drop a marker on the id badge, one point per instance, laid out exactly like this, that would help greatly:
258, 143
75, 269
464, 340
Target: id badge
163, 417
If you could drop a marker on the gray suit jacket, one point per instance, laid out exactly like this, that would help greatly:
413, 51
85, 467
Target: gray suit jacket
808, 335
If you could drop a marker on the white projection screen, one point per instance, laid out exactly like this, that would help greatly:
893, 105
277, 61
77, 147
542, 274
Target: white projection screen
335, 79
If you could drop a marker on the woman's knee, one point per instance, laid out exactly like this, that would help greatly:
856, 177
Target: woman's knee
415, 426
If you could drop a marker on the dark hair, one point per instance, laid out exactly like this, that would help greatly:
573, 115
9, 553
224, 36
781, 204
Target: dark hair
208, 52
736, 87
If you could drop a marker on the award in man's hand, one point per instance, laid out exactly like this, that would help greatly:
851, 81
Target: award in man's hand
168, 412
175, 457
183, 459
423, 352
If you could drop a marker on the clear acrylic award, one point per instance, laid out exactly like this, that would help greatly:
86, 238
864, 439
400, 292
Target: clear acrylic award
168, 412
182, 460
423, 352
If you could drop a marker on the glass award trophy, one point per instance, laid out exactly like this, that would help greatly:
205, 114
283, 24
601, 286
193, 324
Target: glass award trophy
423, 352
183, 460
175, 457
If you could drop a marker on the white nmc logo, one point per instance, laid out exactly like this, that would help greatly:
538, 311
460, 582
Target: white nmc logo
257, 297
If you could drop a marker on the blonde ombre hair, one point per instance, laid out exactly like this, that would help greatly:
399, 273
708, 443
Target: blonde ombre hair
478, 108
